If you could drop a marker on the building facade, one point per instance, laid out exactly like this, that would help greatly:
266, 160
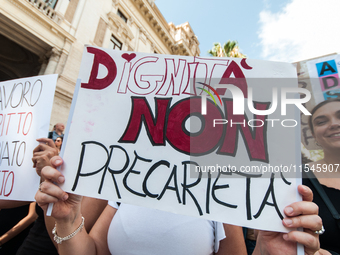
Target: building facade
47, 36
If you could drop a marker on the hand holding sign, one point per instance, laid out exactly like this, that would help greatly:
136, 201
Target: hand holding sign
66, 211
43, 153
66, 206
302, 214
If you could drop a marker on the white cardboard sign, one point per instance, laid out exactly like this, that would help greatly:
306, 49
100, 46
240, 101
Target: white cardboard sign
25, 114
129, 137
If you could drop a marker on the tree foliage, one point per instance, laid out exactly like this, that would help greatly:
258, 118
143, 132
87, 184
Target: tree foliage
229, 49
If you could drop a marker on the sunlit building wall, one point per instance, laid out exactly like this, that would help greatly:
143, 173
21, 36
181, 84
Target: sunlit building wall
44, 37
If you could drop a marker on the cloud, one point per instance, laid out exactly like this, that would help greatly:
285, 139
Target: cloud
303, 29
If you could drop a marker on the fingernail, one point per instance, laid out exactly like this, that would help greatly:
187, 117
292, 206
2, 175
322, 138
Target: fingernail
288, 222
289, 210
61, 179
285, 236
65, 197
58, 161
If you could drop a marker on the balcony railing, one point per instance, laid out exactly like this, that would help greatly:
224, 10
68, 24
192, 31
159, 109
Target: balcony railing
45, 7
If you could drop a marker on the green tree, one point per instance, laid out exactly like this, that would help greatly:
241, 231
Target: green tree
229, 49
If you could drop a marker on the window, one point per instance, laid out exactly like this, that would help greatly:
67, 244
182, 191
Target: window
120, 14
115, 43
51, 3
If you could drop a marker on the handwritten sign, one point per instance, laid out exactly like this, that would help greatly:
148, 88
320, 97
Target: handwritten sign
26, 106
145, 131
319, 76
325, 77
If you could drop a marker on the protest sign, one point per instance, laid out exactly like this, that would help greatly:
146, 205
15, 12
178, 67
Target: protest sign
326, 84
26, 106
320, 76
144, 130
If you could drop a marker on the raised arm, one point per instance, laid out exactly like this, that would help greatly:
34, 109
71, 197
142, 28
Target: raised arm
68, 216
21, 225
91, 208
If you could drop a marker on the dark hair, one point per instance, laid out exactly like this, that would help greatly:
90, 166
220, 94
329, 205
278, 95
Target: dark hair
60, 138
318, 106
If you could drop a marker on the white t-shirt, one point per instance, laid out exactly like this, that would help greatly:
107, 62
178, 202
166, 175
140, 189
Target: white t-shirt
138, 230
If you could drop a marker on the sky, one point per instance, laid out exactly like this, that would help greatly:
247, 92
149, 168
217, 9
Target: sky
278, 30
